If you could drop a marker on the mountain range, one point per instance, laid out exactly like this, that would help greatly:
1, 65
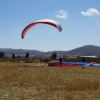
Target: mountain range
87, 50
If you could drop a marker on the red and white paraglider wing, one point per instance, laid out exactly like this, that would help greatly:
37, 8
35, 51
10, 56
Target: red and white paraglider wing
45, 21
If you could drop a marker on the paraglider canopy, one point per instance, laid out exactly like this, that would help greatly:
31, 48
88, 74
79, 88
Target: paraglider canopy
44, 21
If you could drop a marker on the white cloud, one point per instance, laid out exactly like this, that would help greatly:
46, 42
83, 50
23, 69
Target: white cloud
61, 14
90, 12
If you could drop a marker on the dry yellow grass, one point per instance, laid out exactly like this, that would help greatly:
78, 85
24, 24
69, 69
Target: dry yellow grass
35, 81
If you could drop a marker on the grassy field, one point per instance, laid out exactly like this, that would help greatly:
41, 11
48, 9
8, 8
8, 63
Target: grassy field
35, 81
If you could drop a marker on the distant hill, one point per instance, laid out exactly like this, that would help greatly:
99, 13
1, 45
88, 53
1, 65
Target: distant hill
87, 50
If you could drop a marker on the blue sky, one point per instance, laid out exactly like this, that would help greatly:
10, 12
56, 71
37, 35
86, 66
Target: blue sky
80, 21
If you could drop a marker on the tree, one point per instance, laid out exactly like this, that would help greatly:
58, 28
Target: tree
54, 55
27, 55
13, 55
2, 54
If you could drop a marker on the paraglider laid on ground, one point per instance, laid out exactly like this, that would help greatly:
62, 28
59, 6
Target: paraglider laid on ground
44, 21
72, 64
93, 64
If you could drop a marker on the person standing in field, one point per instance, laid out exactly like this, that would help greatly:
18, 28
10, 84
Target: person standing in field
60, 61
46, 61
83, 60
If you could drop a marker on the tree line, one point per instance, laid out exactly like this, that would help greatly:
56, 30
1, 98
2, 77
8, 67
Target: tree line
2, 54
